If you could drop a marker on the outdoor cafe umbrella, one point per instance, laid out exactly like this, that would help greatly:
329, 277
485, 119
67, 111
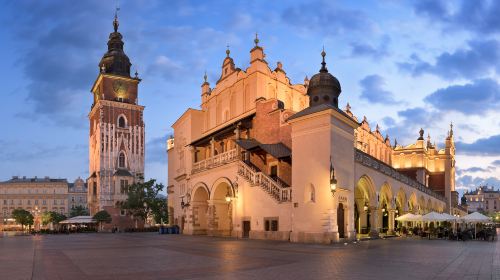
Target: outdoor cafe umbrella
433, 217
448, 217
475, 218
409, 217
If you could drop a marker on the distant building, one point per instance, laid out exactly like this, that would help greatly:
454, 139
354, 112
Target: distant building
36, 195
483, 199
77, 194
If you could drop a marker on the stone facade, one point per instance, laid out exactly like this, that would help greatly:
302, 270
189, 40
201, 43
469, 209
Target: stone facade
77, 194
260, 160
36, 195
483, 199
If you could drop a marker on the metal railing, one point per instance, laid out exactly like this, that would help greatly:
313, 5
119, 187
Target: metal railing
257, 178
215, 161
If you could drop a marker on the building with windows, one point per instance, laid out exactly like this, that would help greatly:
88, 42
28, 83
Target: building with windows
483, 199
116, 141
36, 195
264, 158
77, 194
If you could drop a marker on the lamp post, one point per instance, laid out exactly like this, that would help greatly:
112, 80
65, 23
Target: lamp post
228, 196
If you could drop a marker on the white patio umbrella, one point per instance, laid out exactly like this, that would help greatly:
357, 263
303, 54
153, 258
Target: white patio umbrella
409, 217
433, 217
448, 217
475, 218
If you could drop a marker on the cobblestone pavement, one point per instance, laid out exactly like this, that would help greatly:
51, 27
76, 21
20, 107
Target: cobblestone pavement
153, 256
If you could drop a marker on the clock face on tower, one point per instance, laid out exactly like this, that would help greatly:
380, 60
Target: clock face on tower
120, 87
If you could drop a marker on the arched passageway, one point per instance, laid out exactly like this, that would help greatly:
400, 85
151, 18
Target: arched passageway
365, 206
199, 208
220, 209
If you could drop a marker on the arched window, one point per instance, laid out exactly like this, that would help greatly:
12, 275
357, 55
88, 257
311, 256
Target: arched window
122, 123
121, 160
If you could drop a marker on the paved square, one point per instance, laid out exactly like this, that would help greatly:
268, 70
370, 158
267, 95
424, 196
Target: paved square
153, 256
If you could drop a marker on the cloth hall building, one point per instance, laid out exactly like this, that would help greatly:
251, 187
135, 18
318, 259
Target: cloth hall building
267, 159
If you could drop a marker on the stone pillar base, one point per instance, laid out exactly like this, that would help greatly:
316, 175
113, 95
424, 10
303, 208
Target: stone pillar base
373, 234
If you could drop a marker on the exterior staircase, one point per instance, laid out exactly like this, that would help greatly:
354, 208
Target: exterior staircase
279, 192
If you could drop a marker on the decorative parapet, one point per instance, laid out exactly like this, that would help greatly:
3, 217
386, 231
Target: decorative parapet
215, 161
373, 163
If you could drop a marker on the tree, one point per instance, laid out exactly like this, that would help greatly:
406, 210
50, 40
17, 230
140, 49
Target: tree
23, 217
78, 211
143, 200
52, 217
159, 210
102, 217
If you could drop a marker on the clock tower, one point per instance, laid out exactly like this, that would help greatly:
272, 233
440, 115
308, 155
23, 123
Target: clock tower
116, 139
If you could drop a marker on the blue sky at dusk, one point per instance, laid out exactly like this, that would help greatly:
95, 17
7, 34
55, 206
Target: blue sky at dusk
403, 64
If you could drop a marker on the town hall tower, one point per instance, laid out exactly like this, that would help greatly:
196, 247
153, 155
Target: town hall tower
116, 139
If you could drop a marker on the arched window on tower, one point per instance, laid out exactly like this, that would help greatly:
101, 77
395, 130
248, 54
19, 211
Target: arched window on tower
122, 122
121, 160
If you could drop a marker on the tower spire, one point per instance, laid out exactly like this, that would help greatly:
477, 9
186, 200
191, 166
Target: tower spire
323, 63
115, 21
256, 40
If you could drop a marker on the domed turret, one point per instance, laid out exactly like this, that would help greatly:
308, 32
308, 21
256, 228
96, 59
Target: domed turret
323, 87
115, 61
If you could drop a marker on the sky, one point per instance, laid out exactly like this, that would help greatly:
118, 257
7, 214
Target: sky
402, 64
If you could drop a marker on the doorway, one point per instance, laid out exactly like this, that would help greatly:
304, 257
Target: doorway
340, 220
246, 229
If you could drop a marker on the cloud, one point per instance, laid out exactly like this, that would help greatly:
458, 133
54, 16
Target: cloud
166, 68
327, 18
156, 151
496, 162
476, 98
469, 182
479, 16
411, 120
374, 92
478, 60
484, 146
362, 49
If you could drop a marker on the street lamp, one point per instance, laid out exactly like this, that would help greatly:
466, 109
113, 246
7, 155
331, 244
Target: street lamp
333, 180
228, 196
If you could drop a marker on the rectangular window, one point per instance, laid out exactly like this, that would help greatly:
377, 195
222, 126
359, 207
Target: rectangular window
36, 202
55, 202
271, 224
44, 202
94, 187
123, 186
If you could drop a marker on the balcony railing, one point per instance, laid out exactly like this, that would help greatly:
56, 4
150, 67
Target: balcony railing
215, 161
257, 178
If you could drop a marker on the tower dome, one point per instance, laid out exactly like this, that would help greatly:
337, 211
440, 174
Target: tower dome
323, 87
115, 61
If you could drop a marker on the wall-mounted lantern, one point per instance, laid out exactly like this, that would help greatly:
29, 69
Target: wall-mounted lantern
333, 180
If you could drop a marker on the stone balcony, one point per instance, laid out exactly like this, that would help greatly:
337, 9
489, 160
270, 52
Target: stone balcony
215, 161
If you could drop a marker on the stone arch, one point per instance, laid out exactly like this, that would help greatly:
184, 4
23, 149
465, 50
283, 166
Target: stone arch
421, 204
364, 199
401, 199
429, 206
384, 204
220, 222
199, 208
413, 203
385, 194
